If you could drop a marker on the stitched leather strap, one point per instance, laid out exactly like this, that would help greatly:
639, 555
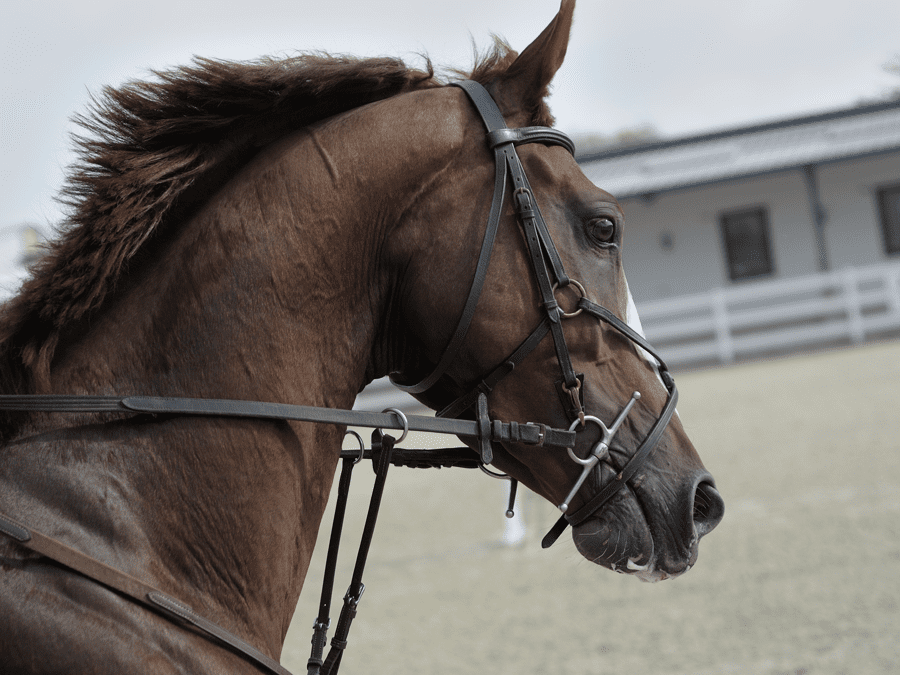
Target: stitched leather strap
481, 270
382, 448
133, 588
503, 141
534, 434
423, 458
487, 385
524, 135
605, 315
323, 619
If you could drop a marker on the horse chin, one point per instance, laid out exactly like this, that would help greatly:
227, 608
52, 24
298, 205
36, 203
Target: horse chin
620, 539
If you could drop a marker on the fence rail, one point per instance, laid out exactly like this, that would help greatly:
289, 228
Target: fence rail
846, 306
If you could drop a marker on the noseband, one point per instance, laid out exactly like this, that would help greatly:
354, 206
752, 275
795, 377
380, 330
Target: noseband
550, 275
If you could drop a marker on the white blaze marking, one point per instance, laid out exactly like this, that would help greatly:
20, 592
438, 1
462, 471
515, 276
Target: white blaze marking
634, 322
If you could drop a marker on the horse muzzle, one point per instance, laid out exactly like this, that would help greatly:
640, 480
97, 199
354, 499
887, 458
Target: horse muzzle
638, 533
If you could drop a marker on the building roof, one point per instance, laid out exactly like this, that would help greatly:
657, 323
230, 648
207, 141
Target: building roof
746, 151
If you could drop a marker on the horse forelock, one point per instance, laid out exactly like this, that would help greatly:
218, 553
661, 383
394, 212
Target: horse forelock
154, 150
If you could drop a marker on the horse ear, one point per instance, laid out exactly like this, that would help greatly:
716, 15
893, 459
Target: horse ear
524, 86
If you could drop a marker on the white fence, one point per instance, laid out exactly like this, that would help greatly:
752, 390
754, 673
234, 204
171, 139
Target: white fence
753, 320
847, 306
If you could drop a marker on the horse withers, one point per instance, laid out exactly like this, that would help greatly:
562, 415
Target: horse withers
287, 231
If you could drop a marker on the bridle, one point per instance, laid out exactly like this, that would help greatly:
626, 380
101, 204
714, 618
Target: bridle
550, 275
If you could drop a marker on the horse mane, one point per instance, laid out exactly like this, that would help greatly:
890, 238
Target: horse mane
154, 149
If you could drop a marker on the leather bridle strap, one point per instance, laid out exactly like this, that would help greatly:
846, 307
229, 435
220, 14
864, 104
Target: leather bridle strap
481, 269
540, 245
530, 434
621, 479
502, 141
382, 447
133, 588
537, 237
466, 401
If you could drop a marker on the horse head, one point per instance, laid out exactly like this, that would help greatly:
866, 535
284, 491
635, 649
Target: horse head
585, 367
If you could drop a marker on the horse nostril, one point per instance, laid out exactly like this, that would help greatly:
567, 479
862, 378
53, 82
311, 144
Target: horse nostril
708, 508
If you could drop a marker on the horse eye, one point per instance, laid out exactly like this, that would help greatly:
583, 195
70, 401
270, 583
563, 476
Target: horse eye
602, 230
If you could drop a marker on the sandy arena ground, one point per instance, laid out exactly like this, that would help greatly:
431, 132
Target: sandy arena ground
801, 577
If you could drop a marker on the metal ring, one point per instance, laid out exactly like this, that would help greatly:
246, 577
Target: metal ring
604, 439
494, 474
403, 419
588, 418
569, 315
362, 446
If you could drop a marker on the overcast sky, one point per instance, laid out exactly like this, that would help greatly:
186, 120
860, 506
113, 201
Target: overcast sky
681, 67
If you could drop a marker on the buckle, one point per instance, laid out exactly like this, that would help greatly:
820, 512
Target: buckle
524, 203
352, 599
542, 431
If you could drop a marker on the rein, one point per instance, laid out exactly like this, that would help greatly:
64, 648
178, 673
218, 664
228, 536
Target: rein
483, 431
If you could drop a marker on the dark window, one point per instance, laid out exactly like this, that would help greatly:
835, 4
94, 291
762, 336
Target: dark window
746, 236
889, 204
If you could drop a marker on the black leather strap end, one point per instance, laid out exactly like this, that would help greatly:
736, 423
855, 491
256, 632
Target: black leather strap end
484, 429
14, 530
572, 399
554, 533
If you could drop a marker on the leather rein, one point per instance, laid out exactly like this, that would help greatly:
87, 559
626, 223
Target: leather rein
482, 430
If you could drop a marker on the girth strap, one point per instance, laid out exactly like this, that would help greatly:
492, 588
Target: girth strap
133, 588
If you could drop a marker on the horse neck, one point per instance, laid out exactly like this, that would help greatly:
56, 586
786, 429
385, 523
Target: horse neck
235, 302
271, 292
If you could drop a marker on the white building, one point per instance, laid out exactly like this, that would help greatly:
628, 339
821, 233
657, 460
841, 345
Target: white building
768, 201
766, 238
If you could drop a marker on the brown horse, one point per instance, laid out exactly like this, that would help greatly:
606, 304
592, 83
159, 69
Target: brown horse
287, 231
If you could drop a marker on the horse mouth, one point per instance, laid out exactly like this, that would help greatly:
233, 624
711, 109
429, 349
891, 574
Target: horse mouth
633, 535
